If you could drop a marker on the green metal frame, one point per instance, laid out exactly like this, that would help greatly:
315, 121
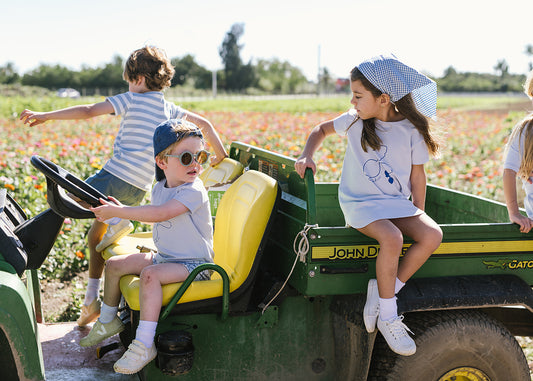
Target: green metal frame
225, 290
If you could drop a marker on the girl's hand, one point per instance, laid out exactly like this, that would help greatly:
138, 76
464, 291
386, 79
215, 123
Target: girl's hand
302, 163
525, 223
33, 118
107, 210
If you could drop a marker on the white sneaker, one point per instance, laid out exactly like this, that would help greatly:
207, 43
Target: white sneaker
114, 233
136, 357
395, 333
371, 310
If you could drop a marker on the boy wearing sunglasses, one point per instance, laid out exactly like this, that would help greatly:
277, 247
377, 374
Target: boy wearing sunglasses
182, 233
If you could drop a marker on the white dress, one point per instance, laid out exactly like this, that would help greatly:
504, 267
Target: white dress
376, 185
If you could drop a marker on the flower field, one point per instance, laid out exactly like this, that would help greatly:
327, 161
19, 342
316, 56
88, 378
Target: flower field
473, 144
472, 150
471, 161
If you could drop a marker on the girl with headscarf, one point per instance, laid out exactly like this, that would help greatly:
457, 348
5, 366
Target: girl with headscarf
382, 188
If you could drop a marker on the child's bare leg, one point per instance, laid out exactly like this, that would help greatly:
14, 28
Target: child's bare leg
390, 241
151, 293
427, 236
118, 266
96, 262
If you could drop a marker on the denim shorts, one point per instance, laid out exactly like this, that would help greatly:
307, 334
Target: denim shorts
111, 185
189, 265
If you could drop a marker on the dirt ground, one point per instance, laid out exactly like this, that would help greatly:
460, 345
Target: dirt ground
61, 300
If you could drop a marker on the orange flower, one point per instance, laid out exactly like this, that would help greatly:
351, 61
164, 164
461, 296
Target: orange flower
11, 187
80, 254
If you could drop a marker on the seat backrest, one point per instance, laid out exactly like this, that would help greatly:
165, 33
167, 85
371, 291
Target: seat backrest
242, 218
224, 172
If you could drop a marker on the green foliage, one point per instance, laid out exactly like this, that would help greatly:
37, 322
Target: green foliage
279, 77
237, 76
8, 75
57, 76
189, 71
453, 81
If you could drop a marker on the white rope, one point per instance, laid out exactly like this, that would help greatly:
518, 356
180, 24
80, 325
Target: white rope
301, 251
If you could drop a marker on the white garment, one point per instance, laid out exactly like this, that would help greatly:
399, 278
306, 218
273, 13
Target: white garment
512, 162
133, 150
188, 236
376, 185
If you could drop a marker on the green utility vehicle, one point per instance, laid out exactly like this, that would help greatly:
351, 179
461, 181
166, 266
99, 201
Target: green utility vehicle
289, 284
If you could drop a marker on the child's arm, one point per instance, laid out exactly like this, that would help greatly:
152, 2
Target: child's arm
143, 213
418, 186
75, 112
509, 191
211, 136
315, 139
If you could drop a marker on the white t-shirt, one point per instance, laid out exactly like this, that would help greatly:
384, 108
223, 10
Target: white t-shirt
133, 150
512, 161
376, 185
188, 236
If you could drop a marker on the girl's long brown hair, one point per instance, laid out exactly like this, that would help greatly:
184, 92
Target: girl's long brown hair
405, 106
524, 129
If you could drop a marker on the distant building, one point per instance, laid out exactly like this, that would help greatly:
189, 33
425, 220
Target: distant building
342, 85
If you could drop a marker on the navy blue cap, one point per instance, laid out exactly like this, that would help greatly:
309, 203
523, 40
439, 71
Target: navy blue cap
165, 135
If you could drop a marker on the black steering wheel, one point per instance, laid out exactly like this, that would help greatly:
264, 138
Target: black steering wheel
58, 179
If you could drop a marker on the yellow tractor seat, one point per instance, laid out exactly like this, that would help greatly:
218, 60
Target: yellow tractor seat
225, 171
244, 215
132, 243
217, 179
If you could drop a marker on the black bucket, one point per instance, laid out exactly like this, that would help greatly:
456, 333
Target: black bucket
175, 352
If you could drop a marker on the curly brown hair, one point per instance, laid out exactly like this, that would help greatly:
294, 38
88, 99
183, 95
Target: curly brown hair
152, 63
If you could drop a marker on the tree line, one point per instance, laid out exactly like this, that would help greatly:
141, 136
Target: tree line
271, 76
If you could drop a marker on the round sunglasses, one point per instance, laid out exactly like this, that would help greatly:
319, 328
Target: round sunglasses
187, 157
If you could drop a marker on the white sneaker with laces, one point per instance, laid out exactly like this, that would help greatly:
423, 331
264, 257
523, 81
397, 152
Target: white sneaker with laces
395, 333
114, 233
135, 358
371, 310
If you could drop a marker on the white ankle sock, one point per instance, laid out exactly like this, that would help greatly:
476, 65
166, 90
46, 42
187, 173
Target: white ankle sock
387, 308
107, 313
146, 332
398, 286
93, 288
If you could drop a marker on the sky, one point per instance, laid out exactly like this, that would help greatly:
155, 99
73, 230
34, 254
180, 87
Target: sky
430, 35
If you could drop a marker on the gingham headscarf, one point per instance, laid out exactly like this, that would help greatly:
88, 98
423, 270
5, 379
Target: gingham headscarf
396, 79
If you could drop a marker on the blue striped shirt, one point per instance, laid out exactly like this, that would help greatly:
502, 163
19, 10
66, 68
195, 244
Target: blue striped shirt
133, 151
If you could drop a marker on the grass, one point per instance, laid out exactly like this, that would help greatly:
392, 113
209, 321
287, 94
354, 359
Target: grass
10, 107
